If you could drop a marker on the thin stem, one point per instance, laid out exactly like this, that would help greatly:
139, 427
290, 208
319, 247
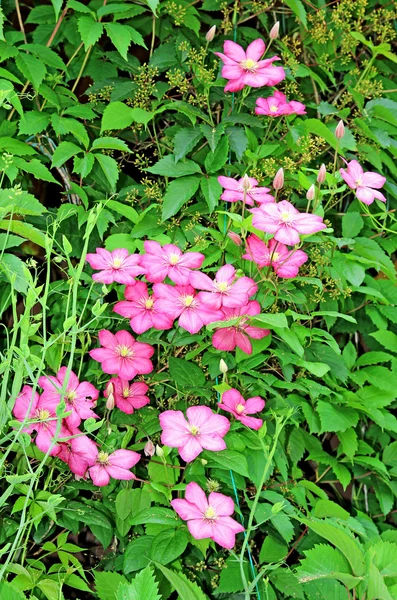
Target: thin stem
21, 27
153, 36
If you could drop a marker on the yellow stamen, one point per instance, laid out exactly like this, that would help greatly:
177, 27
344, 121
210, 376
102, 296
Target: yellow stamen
149, 303
249, 65
103, 458
188, 300
117, 262
174, 259
222, 286
194, 430
124, 351
126, 392
240, 408
273, 108
43, 414
210, 514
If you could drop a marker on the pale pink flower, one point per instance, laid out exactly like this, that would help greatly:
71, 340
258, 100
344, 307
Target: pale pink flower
202, 430
208, 518
169, 260
80, 398
226, 290
227, 338
183, 302
286, 222
121, 355
119, 266
233, 402
234, 191
78, 453
246, 67
141, 308
365, 184
277, 105
128, 396
116, 465
285, 262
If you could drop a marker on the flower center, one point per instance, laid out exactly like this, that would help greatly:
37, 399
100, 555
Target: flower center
71, 396
188, 300
285, 217
194, 430
149, 303
273, 108
173, 258
124, 351
103, 458
249, 65
240, 408
359, 183
43, 414
126, 392
222, 286
117, 263
275, 256
210, 514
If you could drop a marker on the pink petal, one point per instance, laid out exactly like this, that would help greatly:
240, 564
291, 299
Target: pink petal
234, 51
256, 49
185, 509
224, 339
124, 459
190, 450
223, 535
107, 339
223, 505
99, 475
251, 422
195, 495
119, 473
200, 529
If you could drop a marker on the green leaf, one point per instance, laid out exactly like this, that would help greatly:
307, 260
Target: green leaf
9, 241
63, 125
290, 338
137, 554
325, 562
122, 36
118, 115
168, 167
19, 202
57, 4
212, 191
153, 4
16, 147
230, 460
32, 68
83, 166
130, 502
25, 230
272, 320
143, 587
387, 339
110, 168
185, 140
352, 224
187, 590
90, 31
7, 590
107, 583
33, 122
110, 143
159, 515
298, 8
336, 418
327, 508
186, 374
178, 193
168, 545
349, 443
14, 269
36, 168
64, 152
48, 56
214, 161
123, 209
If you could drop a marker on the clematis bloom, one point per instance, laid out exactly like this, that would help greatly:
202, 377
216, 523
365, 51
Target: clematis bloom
365, 184
228, 338
277, 105
141, 309
169, 261
122, 355
234, 191
119, 266
226, 290
285, 222
208, 518
79, 453
128, 396
116, 465
233, 402
246, 67
201, 430
285, 262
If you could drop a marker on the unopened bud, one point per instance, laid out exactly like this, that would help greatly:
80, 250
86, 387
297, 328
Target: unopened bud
274, 32
149, 448
109, 389
159, 451
321, 174
223, 367
235, 238
278, 181
245, 183
340, 130
110, 402
209, 36
311, 192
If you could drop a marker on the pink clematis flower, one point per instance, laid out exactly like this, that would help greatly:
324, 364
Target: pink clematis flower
208, 518
363, 182
170, 261
202, 430
238, 335
285, 262
226, 290
141, 309
234, 191
128, 396
285, 222
78, 453
233, 402
119, 266
116, 465
246, 67
183, 302
121, 355
32, 407
277, 105
80, 398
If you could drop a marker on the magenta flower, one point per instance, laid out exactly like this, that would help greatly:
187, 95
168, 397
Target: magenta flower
119, 265
170, 261
78, 453
238, 335
208, 518
116, 465
141, 309
285, 222
202, 430
365, 184
226, 290
183, 302
234, 191
277, 105
285, 262
80, 398
233, 402
128, 396
246, 67
121, 355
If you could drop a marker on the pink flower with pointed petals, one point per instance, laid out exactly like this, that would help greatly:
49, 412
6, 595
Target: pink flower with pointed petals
226, 290
234, 191
277, 105
141, 309
129, 396
202, 430
285, 222
208, 518
365, 184
285, 262
183, 302
80, 398
119, 266
78, 453
121, 355
170, 261
116, 465
233, 402
238, 335
246, 67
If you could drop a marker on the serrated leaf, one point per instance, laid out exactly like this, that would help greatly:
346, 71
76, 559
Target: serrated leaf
324, 562
32, 68
212, 191
110, 169
118, 115
187, 590
33, 122
214, 161
299, 10
168, 167
387, 339
178, 193
107, 583
64, 152
352, 223
143, 587
185, 140
90, 31
110, 143
36, 168
336, 418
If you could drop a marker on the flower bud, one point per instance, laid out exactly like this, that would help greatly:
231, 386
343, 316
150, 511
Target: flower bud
340, 130
159, 451
109, 389
245, 183
274, 32
321, 174
209, 36
311, 192
149, 448
235, 238
223, 367
110, 402
278, 181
